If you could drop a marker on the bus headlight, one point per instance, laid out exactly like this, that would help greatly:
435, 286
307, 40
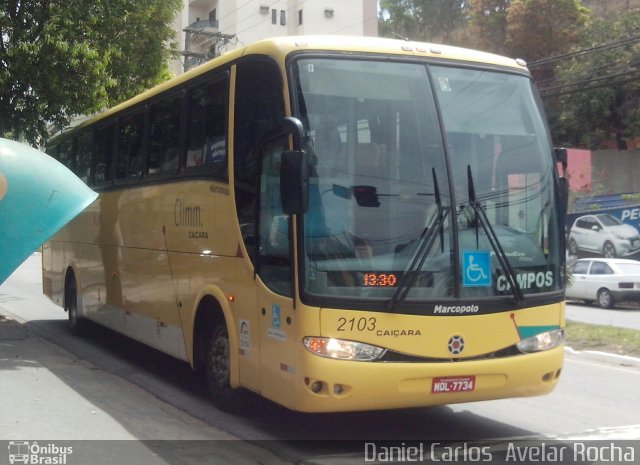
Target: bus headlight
543, 341
342, 350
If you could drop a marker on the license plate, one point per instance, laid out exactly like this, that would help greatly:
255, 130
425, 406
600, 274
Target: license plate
453, 384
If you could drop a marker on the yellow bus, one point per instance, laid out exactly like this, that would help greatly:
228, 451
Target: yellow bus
334, 223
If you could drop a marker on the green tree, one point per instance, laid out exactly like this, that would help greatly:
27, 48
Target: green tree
599, 85
424, 20
396, 19
61, 59
488, 21
537, 29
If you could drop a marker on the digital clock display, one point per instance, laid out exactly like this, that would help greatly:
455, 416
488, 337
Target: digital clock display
376, 279
379, 279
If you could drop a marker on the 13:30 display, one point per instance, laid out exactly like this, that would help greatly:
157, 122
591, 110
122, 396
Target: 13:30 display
379, 279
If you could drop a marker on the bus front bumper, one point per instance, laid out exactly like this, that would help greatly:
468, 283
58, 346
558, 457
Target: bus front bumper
326, 385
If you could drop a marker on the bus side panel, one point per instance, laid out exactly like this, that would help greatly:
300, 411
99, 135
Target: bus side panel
207, 253
52, 277
278, 345
61, 251
230, 282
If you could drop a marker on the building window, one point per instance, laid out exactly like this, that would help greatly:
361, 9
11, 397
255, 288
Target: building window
274, 16
299, 17
283, 17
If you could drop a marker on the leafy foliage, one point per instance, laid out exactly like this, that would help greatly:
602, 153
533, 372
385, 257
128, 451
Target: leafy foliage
61, 59
599, 91
425, 20
488, 20
540, 28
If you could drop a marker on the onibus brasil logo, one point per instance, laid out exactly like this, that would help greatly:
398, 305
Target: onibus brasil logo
33, 453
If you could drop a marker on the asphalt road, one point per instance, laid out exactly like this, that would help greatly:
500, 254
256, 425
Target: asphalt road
152, 408
622, 316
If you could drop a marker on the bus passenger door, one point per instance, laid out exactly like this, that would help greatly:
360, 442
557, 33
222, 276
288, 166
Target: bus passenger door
275, 287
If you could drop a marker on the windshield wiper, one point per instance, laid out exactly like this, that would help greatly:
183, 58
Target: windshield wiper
427, 240
493, 240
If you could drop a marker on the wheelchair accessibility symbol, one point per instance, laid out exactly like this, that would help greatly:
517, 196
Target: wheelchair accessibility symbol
476, 268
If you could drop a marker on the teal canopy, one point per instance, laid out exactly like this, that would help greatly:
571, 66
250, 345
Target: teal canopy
38, 196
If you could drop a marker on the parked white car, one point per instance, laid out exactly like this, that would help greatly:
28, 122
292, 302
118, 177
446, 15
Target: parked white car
605, 280
604, 234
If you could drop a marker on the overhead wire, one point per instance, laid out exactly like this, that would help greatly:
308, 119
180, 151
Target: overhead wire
585, 51
586, 77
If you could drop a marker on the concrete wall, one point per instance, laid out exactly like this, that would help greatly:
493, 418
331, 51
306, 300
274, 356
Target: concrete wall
614, 171
250, 20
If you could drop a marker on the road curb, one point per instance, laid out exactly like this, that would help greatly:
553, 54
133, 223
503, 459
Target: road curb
623, 360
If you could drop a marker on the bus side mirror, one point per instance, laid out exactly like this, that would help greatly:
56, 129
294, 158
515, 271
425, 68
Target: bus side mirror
294, 182
561, 156
563, 187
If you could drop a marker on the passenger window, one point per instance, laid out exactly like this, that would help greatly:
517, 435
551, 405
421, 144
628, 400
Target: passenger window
131, 146
273, 247
259, 108
54, 151
103, 149
207, 126
83, 156
65, 156
164, 142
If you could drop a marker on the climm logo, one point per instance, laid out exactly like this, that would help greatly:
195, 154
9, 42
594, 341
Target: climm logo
186, 215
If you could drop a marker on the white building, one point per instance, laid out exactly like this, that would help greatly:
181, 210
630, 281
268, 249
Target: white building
208, 28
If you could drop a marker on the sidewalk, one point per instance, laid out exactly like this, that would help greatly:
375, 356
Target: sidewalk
597, 356
51, 397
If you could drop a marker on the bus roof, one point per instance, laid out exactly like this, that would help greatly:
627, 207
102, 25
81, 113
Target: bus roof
282, 46
378, 45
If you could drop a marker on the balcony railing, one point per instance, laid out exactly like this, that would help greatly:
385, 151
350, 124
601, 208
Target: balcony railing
203, 26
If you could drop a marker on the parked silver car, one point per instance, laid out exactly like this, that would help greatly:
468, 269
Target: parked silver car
605, 280
604, 234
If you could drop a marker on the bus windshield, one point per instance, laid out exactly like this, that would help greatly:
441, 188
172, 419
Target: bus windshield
404, 154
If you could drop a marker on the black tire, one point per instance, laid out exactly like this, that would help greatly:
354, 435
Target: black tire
217, 369
608, 250
573, 248
76, 322
605, 299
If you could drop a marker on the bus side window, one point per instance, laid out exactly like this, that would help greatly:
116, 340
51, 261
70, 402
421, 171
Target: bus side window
274, 262
65, 156
259, 108
164, 139
83, 156
196, 126
54, 151
131, 146
207, 126
103, 151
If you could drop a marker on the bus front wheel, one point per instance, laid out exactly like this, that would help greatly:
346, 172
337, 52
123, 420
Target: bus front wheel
217, 368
